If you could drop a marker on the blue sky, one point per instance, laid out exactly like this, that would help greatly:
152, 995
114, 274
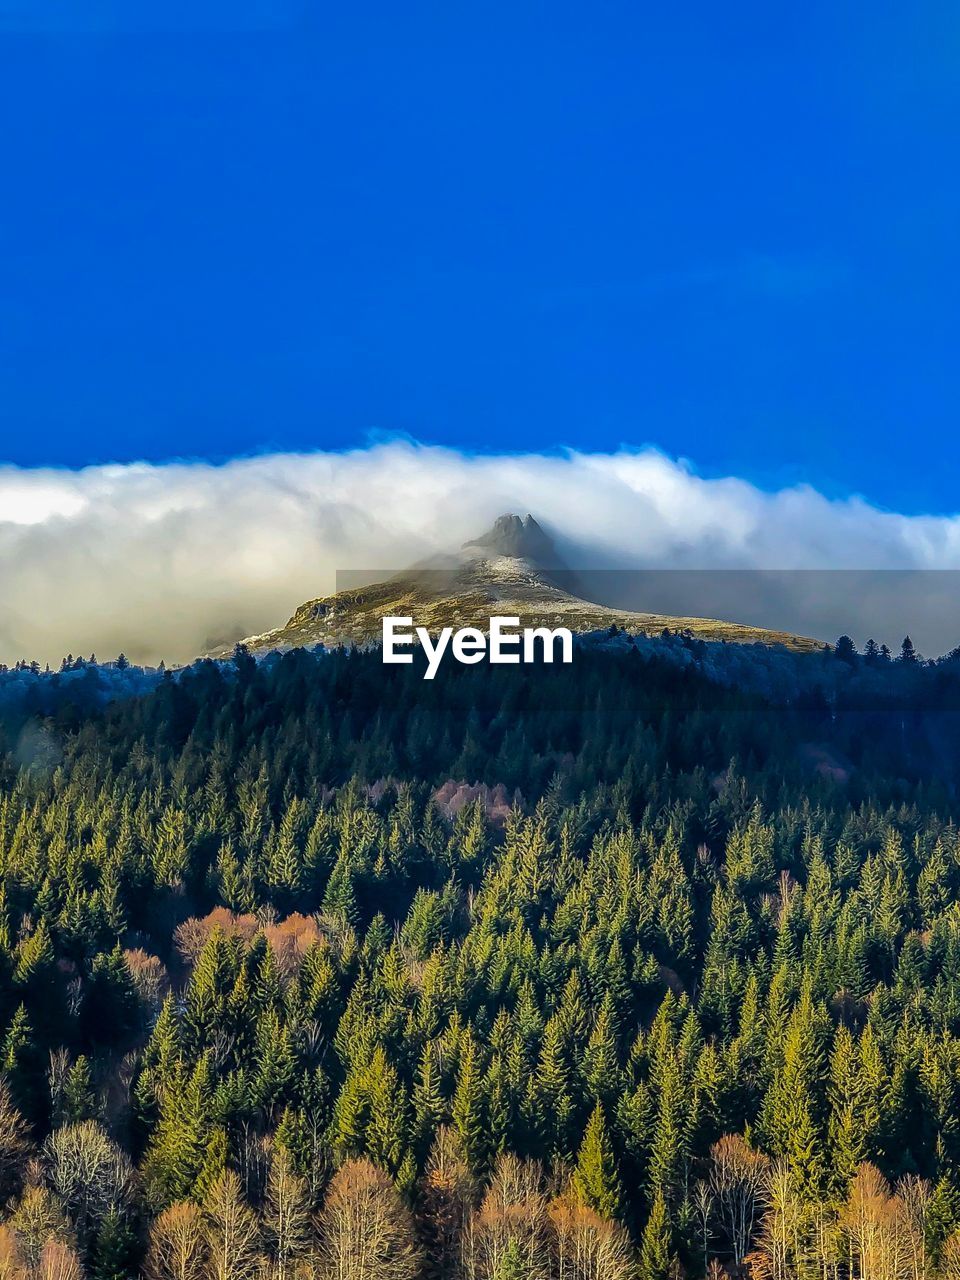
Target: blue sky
727, 230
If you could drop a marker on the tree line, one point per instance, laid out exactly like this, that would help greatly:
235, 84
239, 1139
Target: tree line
309, 969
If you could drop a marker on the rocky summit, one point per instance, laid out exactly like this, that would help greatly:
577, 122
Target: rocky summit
514, 570
521, 539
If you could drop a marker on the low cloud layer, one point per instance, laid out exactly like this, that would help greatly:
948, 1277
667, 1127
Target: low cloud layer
166, 561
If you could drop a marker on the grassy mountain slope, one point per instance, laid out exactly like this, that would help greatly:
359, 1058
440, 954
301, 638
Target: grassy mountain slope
512, 570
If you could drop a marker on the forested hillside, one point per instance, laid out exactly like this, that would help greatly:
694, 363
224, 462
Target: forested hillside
309, 968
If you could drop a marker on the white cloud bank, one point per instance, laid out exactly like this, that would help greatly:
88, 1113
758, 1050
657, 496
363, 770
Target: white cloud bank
165, 560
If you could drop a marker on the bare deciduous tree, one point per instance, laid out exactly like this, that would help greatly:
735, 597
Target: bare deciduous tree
14, 1146
877, 1234
366, 1230
447, 1196
704, 1209
192, 936
59, 1262
950, 1257
916, 1194
89, 1173
39, 1217
737, 1179
252, 1160
512, 1220
150, 977
57, 1074
11, 1259
178, 1244
875, 1226
232, 1232
783, 1244
287, 1219
291, 939
586, 1246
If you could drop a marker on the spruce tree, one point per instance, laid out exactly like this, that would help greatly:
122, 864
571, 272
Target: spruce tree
655, 1245
793, 1109
597, 1178
468, 1110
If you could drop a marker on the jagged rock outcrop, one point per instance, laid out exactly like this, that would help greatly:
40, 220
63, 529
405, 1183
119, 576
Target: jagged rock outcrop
512, 570
521, 539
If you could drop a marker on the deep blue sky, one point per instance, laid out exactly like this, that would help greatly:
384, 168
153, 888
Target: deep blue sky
730, 230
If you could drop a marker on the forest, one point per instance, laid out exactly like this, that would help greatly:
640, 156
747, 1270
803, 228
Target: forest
640, 968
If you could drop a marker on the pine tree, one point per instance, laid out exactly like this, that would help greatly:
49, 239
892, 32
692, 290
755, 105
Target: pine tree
114, 1249
512, 1264
429, 1105
319, 989
111, 1012
793, 1110
552, 1093
79, 1100
669, 1146
205, 1006
304, 1135
351, 1113
655, 1246
467, 1110
38, 983
179, 1143
503, 1121
339, 900
601, 1067
386, 1133
846, 1127
213, 1163
276, 1065
20, 1060
232, 881
597, 1179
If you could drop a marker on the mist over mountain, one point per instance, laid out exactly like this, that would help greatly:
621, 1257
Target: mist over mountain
170, 561
513, 535
512, 570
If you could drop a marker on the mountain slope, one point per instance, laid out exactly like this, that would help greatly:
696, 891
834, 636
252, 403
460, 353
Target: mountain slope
512, 570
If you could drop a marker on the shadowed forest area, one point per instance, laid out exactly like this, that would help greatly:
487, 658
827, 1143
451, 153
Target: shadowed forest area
643, 967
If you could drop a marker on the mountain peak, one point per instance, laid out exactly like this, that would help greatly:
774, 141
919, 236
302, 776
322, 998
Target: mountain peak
516, 537
511, 570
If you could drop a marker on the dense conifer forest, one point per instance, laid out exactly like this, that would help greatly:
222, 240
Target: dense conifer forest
633, 968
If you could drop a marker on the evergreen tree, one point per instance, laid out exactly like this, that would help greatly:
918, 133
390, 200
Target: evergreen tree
79, 1100
655, 1246
793, 1110
597, 1179
115, 1248
467, 1110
